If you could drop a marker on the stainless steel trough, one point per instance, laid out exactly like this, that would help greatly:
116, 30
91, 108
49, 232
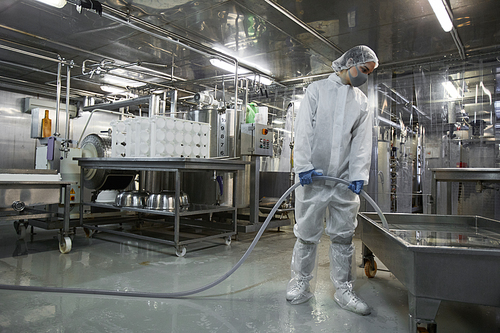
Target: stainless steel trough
436, 257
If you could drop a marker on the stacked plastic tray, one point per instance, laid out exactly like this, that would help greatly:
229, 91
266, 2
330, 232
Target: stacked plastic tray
160, 137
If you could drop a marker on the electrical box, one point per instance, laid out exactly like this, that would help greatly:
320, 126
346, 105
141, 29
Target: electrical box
256, 139
70, 172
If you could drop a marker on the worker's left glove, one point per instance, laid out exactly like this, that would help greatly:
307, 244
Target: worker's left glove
356, 186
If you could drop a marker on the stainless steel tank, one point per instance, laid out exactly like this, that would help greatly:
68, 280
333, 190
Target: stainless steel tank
203, 187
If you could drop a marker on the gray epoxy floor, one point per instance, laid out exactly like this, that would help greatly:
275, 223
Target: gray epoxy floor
251, 300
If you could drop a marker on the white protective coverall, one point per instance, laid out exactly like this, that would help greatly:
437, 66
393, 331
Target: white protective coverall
333, 135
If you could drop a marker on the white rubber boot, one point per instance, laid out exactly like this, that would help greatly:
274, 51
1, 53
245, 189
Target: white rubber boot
349, 301
303, 262
298, 291
343, 280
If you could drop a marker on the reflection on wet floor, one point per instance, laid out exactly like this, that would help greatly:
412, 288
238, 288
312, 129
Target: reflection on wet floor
251, 300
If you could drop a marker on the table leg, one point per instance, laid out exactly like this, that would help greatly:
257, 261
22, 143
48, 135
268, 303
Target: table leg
422, 311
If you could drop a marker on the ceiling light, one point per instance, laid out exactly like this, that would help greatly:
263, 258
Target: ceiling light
441, 14
265, 81
227, 67
54, 3
451, 90
118, 80
111, 89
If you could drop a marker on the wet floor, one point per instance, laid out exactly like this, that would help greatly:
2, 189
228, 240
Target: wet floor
251, 300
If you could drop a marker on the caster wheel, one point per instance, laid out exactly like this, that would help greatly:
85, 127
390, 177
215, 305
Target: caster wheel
88, 233
65, 245
369, 270
228, 240
181, 251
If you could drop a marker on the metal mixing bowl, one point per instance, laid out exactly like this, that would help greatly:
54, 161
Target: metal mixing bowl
166, 201
131, 199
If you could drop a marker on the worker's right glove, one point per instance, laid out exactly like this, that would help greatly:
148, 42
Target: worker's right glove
306, 176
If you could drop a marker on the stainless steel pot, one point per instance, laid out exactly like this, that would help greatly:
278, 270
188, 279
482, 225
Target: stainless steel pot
166, 201
131, 199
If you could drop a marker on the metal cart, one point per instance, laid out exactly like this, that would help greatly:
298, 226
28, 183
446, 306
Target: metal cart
177, 218
24, 196
436, 257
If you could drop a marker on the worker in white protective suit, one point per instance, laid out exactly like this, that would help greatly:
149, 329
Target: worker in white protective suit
333, 137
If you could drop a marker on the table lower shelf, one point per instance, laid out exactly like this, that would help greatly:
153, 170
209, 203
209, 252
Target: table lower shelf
193, 209
195, 225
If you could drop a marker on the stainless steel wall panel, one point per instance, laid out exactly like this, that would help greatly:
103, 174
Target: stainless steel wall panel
17, 149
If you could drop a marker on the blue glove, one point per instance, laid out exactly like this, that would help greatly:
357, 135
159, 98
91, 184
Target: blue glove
306, 176
356, 186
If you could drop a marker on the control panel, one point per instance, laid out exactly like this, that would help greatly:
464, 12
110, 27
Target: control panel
256, 139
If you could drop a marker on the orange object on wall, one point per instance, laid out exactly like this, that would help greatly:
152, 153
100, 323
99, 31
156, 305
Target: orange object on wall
46, 125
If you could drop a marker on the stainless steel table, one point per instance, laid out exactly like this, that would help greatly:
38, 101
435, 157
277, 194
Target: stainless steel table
436, 257
24, 202
491, 175
180, 217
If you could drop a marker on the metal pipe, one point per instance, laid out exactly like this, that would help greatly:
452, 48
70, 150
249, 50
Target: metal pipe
55, 74
128, 22
100, 110
81, 51
303, 25
458, 43
236, 121
164, 104
125, 67
58, 97
119, 104
29, 87
13, 49
223, 92
169, 36
127, 19
173, 101
66, 135
154, 105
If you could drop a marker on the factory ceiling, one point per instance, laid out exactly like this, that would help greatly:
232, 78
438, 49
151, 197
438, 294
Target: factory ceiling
150, 45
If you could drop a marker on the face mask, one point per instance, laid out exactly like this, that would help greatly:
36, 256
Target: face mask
359, 80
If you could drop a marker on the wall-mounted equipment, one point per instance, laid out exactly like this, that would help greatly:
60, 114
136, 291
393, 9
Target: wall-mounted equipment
256, 139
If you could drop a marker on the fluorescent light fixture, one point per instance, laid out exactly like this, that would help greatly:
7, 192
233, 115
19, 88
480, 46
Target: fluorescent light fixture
441, 14
111, 89
131, 95
229, 52
54, 3
227, 67
451, 90
119, 81
265, 81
